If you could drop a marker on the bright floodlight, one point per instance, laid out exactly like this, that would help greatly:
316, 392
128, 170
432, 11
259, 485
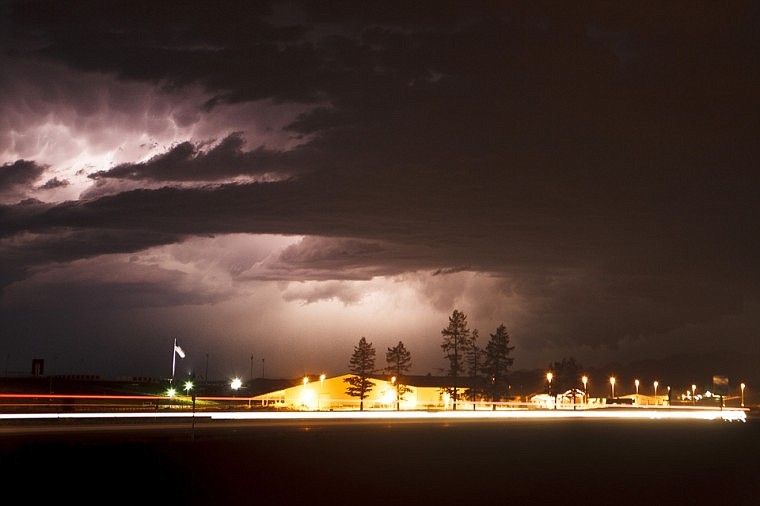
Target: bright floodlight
236, 383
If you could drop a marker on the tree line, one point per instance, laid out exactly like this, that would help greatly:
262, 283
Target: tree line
486, 368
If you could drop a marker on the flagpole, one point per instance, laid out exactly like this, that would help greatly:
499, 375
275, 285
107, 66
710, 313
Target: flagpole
174, 357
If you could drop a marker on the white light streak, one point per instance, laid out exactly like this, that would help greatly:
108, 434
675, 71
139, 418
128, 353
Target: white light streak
672, 413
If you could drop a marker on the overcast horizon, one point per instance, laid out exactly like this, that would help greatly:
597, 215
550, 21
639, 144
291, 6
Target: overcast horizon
279, 179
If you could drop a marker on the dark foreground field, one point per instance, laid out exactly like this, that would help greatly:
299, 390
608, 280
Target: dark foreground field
585, 462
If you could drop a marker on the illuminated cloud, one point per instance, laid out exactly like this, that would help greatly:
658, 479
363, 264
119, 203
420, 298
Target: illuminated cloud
584, 176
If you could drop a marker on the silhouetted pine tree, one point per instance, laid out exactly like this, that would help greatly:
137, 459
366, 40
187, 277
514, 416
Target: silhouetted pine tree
456, 342
566, 375
474, 363
361, 364
399, 360
498, 363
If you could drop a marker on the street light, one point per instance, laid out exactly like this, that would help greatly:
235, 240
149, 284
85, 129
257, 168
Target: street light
398, 401
304, 396
636, 382
693, 398
612, 385
188, 387
742, 385
236, 383
549, 377
655, 391
321, 386
584, 380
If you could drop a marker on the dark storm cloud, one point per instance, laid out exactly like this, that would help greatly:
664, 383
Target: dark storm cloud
187, 162
53, 183
598, 159
18, 178
214, 44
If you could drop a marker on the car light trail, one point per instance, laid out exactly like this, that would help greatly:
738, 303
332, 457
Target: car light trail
673, 413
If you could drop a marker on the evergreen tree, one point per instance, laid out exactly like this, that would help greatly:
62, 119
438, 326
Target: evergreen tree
473, 359
566, 374
498, 362
399, 360
456, 342
361, 364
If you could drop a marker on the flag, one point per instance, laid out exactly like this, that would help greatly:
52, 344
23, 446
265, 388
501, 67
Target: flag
177, 351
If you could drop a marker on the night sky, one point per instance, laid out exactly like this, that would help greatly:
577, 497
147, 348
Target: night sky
278, 179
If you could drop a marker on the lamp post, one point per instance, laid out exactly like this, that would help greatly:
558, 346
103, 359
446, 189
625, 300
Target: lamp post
584, 380
612, 385
188, 387
693, 396
321, 386
395, 385
742, 386
305, 382
655, 391
636, 382
549, 377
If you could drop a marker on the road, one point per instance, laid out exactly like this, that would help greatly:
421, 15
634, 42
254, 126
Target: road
402, 462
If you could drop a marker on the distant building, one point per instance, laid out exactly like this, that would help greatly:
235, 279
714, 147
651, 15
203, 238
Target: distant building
425, 392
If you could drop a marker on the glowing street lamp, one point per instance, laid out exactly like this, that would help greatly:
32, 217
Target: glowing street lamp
398, 401
549, 377
236, 383
321, 386
188, 387
693, 398
612, 385
655, 391
742, 386
636, 382
584, 380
